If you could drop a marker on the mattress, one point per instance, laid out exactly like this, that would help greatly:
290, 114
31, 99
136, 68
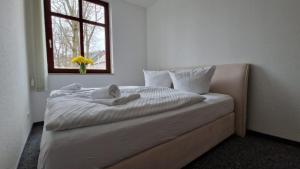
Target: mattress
104, 145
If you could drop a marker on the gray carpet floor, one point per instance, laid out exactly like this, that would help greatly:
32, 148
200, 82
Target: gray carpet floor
252, 152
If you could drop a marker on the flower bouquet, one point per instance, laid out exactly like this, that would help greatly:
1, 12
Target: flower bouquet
82, 62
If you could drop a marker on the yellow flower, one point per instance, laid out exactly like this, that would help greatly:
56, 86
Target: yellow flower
90, 61
82, 60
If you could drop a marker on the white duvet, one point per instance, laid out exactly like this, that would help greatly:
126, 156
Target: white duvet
74, 109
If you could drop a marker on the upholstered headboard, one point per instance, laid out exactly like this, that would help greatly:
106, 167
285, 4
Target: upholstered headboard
232, 79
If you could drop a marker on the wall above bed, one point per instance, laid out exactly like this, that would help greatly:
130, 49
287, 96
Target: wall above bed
263, 33
143, 3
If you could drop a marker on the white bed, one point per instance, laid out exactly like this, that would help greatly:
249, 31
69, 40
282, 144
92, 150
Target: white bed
102, 146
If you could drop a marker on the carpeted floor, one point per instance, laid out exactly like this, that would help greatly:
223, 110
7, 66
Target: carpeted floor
252, 152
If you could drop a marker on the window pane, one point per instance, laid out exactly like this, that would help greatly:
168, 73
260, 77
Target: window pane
94, 45
66, 42
66, 7
93, 12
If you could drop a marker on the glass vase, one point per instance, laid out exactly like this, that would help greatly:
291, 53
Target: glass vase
82, 69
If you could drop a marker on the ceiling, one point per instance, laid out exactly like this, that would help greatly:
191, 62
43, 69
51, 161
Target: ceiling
143, 3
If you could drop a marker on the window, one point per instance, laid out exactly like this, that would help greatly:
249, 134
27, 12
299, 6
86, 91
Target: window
77, 28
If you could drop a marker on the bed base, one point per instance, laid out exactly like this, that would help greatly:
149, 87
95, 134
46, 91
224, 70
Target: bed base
179, 152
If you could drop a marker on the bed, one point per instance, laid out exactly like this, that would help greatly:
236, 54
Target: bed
168, 140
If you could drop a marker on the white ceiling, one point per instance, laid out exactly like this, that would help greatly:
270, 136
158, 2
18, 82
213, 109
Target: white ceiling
143, 3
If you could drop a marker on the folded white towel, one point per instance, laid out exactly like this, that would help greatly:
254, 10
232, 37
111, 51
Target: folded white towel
73, 86
118, 101
108, 92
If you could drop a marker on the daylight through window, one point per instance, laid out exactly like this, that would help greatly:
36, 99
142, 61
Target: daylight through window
77, 28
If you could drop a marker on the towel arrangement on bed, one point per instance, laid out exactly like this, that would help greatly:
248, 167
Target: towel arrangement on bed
68, 109
109, 95
108, 92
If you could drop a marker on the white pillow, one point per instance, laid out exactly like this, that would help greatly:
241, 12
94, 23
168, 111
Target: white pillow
196, 80
157, 78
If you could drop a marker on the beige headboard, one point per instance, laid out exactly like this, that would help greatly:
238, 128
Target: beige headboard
232, 79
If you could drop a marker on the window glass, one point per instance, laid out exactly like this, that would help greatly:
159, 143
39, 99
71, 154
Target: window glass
93, 12
66, 42
94, 45
65, 7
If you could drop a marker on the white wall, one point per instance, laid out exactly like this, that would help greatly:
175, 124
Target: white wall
15, 122
129, 55
265, 33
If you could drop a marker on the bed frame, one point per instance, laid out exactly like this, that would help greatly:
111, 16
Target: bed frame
229, 79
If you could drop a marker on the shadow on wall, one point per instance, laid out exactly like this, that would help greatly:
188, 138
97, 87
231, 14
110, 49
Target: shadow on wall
272, 100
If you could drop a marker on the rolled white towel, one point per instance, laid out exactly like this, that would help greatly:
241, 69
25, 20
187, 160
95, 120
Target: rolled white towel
123, 99
108, 92
73, 86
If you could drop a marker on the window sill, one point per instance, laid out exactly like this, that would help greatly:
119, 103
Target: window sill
78, 74
76, 71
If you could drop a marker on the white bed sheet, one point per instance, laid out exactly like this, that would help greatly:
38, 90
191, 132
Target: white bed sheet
100, 146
